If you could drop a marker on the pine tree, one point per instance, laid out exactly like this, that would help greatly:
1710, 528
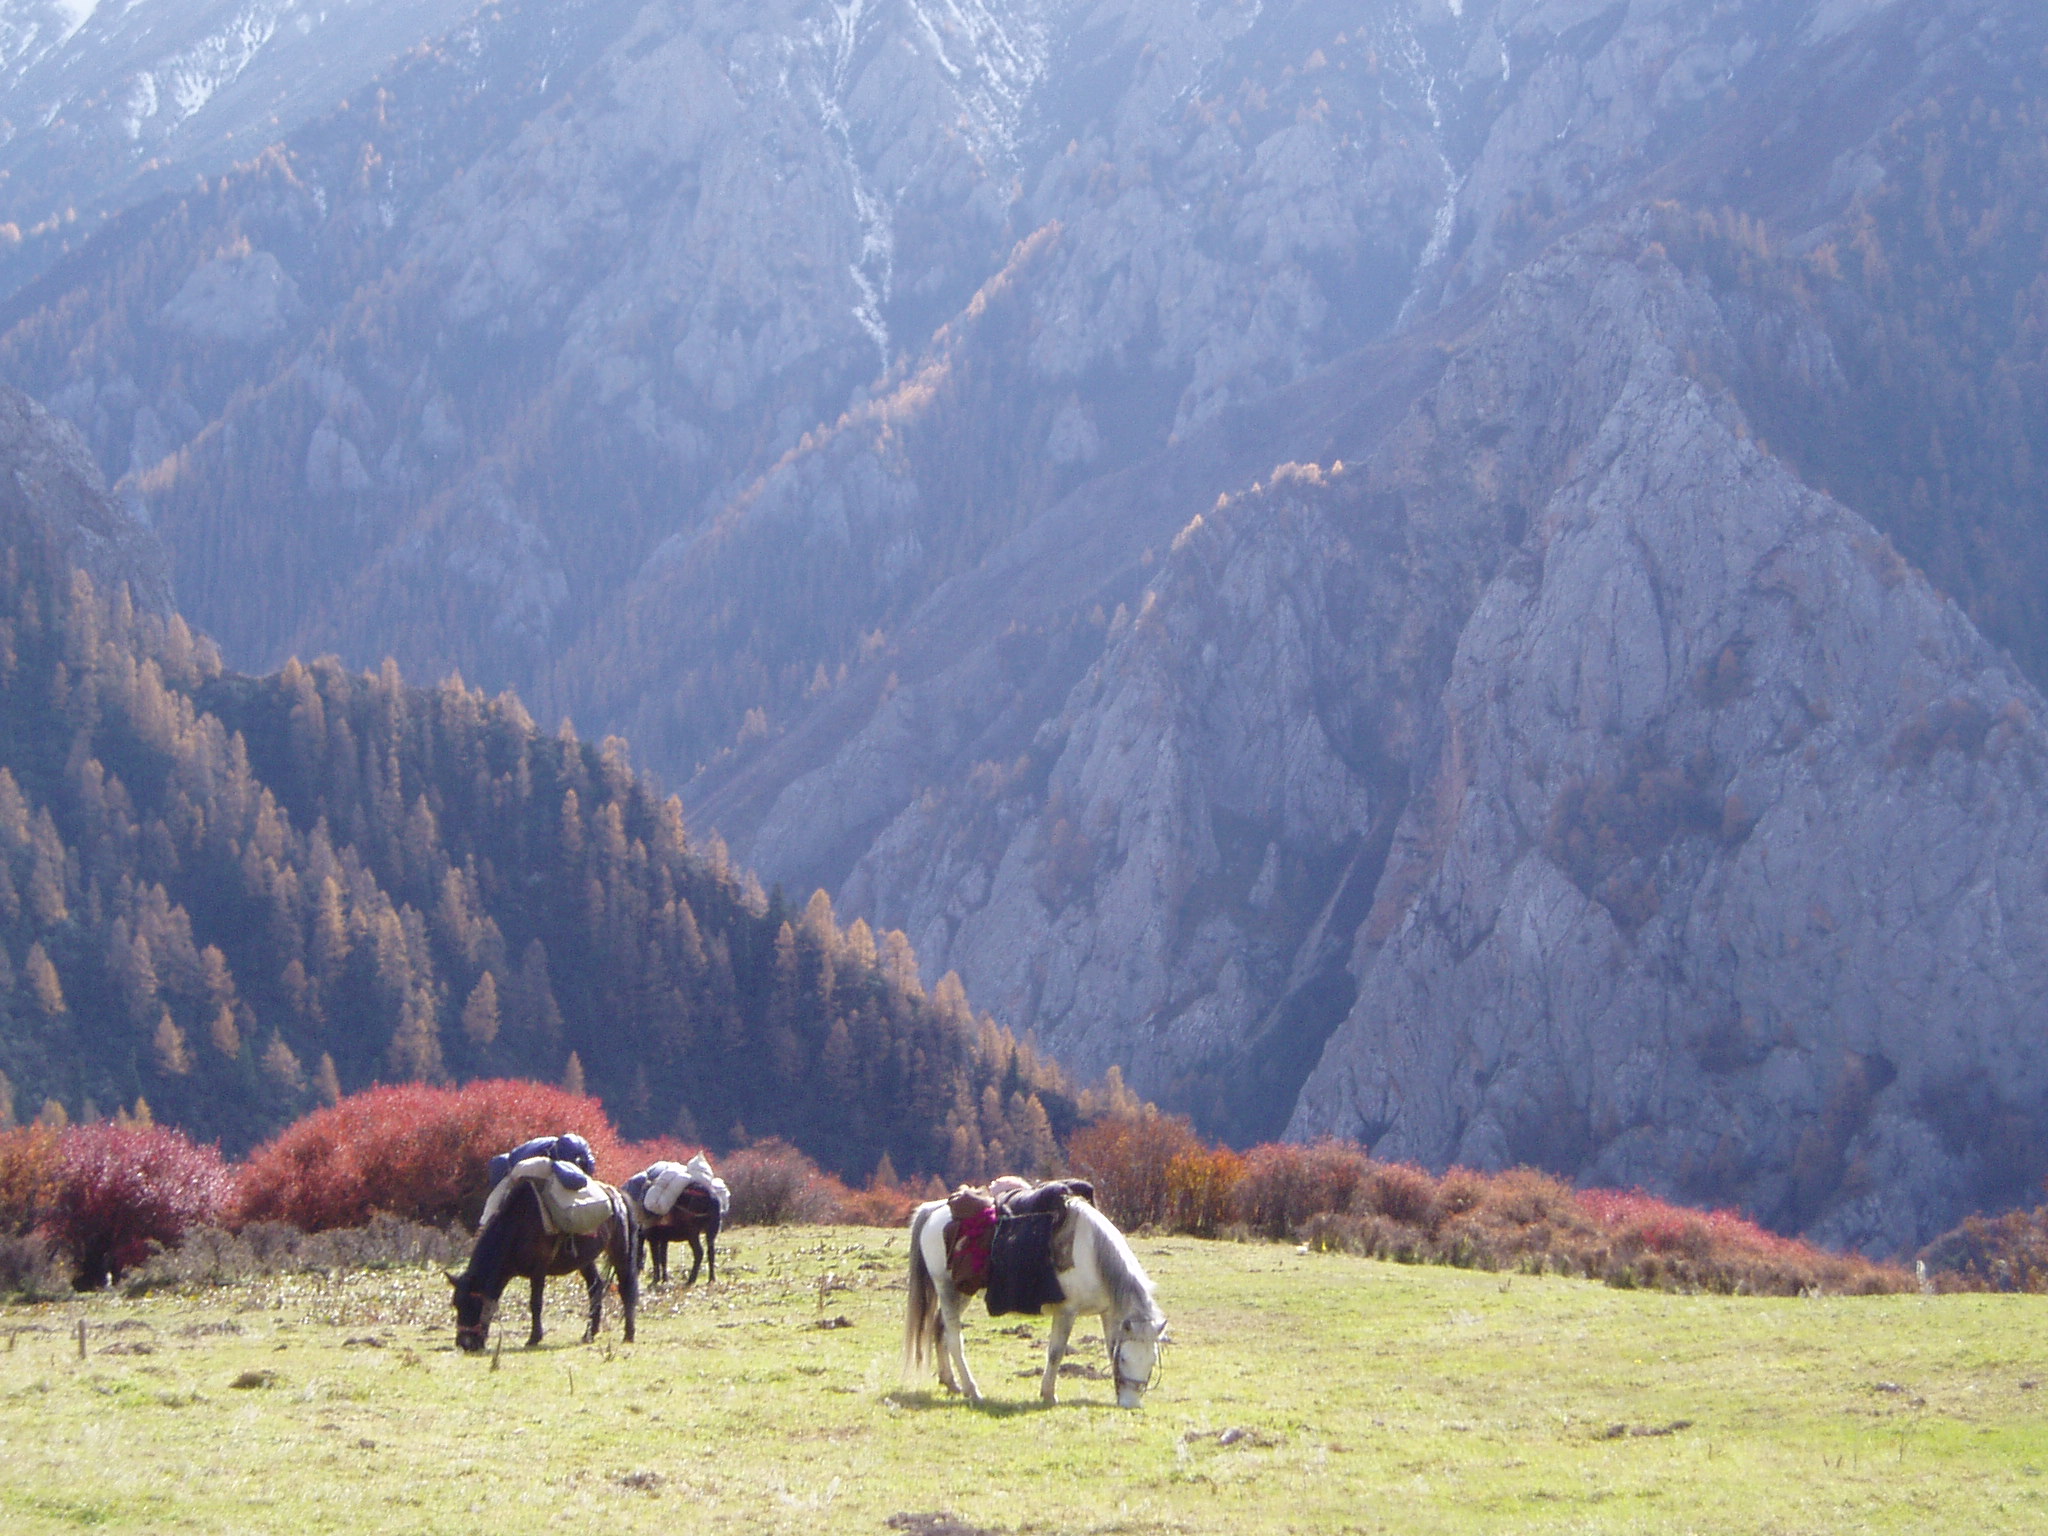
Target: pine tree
223, 1031
43, 984
281, 1067
480, 1013
172, 1057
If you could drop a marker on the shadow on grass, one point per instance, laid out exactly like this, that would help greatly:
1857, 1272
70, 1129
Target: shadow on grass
923, 1402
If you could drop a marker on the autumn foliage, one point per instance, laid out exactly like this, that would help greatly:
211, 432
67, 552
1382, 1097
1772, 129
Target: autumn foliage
1991, 1253
119, 1188
1129, 1157
422, 1154
28, 1177
1153, 1170
411, 1151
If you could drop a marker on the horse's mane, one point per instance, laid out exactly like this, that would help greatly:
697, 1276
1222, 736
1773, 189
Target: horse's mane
490, 1260
1130, 1288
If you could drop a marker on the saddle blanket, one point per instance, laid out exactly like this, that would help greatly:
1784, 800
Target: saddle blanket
566, 1211
1012, 1240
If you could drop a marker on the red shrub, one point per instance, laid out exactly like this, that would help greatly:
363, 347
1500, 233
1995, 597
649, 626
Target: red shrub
775, 1185
28, 1177
1285, 1184
1401, 1192
1127, 1158
1662, 1227
1458, 1192
120, 1188
411, 1150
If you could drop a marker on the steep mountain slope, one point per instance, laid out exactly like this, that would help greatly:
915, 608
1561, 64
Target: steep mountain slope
1173, 842
234, 895
108, 104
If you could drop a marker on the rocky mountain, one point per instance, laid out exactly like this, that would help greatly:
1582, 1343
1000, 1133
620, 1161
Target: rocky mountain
1465, 572
109, 103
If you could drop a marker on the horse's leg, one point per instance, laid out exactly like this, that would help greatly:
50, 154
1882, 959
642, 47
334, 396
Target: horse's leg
1055, 1351
657, 1249
711, 1253
696, 1256
534, 1300
952, 1341
626, 1261
594, 1283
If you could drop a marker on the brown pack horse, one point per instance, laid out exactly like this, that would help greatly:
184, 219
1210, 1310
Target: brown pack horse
517, 1242
693, 1219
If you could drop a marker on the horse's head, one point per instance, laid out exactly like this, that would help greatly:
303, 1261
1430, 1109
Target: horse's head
1134, 1356
474, 1310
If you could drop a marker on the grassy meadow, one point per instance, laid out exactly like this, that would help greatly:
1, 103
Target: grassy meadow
1304, 1392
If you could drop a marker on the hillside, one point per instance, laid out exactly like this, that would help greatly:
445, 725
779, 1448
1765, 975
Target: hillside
236, 896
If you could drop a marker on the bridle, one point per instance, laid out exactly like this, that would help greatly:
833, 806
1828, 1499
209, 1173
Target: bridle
473, 1336
1116, 1366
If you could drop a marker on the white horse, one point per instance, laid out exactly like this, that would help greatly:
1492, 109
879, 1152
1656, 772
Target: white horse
1106, 1280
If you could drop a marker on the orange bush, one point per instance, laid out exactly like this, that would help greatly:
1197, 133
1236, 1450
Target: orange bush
410, 1150
1992, 1253
1127, 1158
28, 1177
877, 1206
1202, 1189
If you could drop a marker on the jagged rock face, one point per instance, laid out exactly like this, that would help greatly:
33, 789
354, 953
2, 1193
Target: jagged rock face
54, 506
546, 303
105, 104
1725, 874
1186, 841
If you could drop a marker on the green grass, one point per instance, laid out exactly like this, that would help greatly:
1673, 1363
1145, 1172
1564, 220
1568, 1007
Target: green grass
1365, 1397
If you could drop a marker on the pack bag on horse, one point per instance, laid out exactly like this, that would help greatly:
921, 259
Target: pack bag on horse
1043, 1250
679, 1201
547, 1215
565, 1162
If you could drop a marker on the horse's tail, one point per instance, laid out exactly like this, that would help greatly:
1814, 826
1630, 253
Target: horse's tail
622, 1245
921, 1312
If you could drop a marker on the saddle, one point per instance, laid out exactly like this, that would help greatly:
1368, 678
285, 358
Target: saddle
1012, 1239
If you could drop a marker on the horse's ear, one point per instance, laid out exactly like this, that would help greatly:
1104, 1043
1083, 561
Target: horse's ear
453, 1279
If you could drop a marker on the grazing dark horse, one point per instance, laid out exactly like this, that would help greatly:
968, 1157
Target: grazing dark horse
692, 1219
517, 1242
